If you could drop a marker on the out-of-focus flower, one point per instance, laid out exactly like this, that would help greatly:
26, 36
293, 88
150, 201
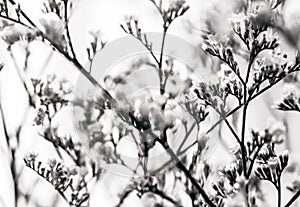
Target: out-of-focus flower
295, 185
278, 131
53, 28
52, 163
14, 33
226, 75
83, 171
30, 158
40, 116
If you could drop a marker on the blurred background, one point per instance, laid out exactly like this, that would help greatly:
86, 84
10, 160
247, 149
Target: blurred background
106, 15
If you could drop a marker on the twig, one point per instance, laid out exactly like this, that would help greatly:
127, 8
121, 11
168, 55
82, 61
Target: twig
160, 72
279, 192
67, 29
181, 166
293, 199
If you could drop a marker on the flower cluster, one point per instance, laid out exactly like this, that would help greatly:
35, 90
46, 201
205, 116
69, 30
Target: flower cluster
265, 41
54, 6
94, 44
195, 108
52, 96
62, 178
176, 9
14, 33
230, 82
74, 150
131, 26
231, 179
271, 165
212, 95
53, 28
258, 139
217, 45
146, 186
291, 102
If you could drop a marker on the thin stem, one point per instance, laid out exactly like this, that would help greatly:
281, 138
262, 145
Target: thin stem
15, 21
157, 7
181, 166
23, 14
253, 161
222, 118
186, 136
242, 144
293, 199
160, 72
229, 126
279, 191
67, 29
244, 41
165, 196
14, 175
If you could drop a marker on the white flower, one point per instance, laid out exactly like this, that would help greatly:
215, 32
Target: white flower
13, 33
226, 75
290, 89
277, 130
51, 77
237, 18
53, 27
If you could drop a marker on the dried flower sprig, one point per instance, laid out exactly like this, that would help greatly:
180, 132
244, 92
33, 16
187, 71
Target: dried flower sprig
62, 179
54, 6
217, 45
212, 95
290, 102
131, 26
196, 109
176, 9
271, 166
52, 96
96, 44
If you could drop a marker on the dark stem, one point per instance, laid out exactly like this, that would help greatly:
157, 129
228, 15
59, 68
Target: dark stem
165, 196
293, 199
279, 191
67, 29
229, 126
14, 175
242, 144
181, 166
186, 136
23, 14
5, 7
160, 72
253, 161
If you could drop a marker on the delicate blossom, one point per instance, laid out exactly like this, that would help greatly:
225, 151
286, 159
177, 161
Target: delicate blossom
53, 28
14, 33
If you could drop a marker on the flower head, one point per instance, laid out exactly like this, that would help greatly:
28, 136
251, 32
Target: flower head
14, 33
53, 28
